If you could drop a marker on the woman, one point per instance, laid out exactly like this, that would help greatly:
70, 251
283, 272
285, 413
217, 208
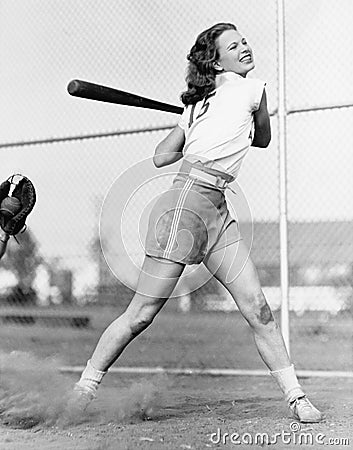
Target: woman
224, 114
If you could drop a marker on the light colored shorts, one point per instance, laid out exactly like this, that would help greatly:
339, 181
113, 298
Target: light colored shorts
191, 219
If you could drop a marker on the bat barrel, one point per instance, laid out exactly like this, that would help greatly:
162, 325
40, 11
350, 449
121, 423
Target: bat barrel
92, 91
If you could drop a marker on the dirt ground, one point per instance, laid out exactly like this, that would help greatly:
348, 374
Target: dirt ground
172, 412
185, 411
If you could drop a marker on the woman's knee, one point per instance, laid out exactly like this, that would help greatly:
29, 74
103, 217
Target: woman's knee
257, 311
139, 318
139, 324
263, 311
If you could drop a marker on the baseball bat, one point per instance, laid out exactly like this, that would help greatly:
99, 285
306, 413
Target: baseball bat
92, 91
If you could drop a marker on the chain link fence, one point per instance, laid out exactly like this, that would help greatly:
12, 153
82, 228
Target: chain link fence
74, 150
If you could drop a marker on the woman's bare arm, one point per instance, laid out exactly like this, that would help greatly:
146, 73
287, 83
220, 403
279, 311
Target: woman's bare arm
170, 149
262, 124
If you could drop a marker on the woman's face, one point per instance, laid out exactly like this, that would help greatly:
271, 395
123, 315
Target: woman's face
235, 55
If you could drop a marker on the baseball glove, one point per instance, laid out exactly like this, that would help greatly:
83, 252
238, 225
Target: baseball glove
24, 192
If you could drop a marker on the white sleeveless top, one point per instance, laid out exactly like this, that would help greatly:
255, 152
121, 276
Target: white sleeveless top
219, 128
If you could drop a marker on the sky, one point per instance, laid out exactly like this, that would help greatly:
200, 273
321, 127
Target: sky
141, 47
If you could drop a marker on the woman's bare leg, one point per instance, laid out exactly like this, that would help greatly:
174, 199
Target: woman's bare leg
233, 267
156, 283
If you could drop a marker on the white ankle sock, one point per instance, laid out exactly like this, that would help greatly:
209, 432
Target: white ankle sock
90, 377
288, 382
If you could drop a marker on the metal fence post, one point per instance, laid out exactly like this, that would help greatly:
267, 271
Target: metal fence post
282, 150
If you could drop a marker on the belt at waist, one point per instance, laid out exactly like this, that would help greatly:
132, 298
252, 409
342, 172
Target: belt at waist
212, 176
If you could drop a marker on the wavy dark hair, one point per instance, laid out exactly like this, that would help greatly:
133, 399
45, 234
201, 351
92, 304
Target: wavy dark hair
201, 73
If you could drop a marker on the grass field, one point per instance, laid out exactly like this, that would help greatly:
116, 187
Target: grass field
170, 412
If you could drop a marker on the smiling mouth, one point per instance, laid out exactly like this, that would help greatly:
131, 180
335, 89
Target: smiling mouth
246, 58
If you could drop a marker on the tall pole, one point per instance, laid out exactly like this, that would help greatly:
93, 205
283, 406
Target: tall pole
282, 151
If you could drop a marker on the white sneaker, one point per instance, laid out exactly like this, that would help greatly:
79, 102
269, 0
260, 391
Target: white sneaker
304, 411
